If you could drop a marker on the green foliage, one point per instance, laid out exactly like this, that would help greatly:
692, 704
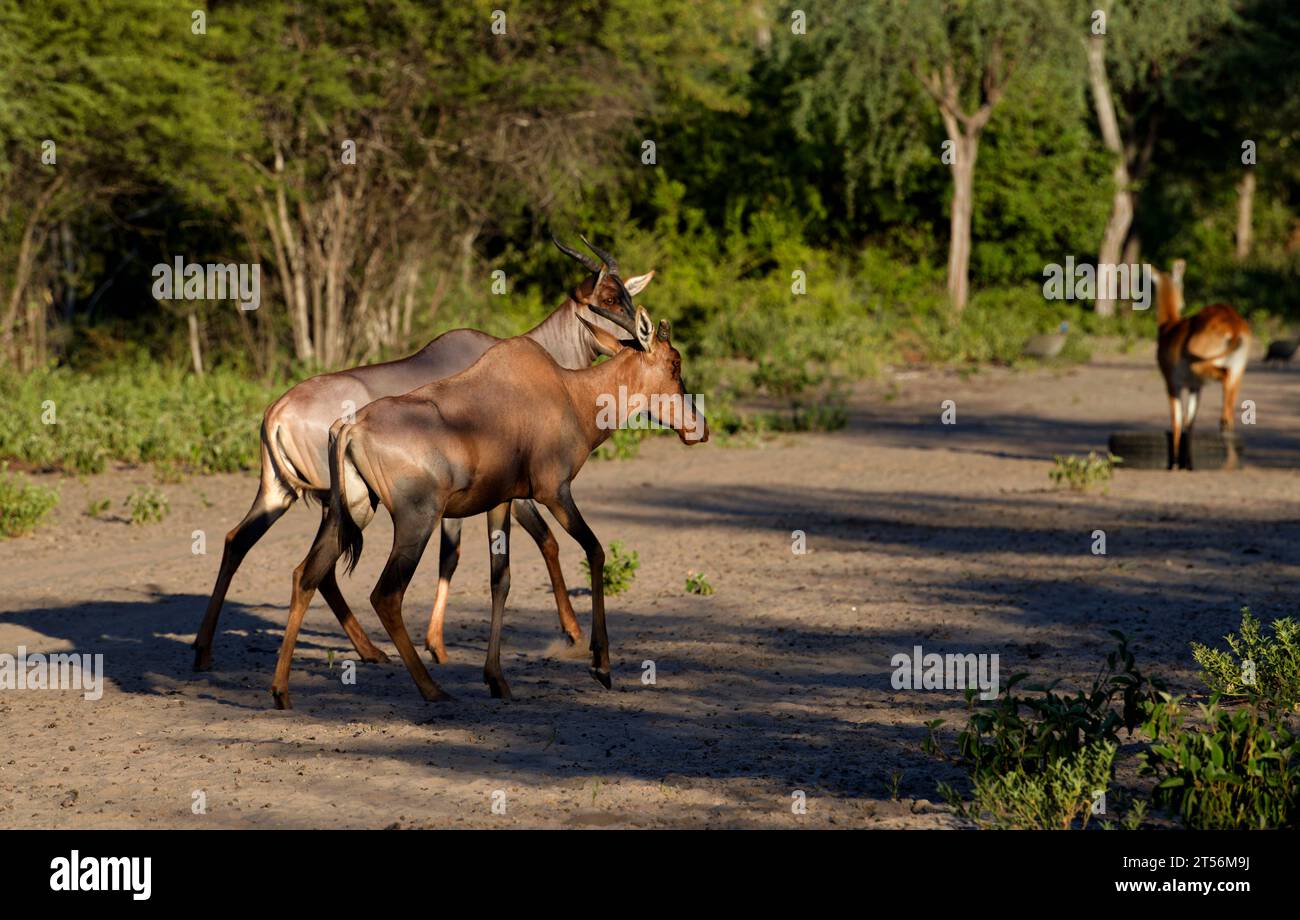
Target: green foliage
1022, 733
138, 413
620, 568
698, 583
1263, 669
22, 504
147, 505
1082, 473
623, 444
1059, 797
96, 507
1241, 771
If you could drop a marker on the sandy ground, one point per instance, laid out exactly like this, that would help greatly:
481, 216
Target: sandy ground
949, 537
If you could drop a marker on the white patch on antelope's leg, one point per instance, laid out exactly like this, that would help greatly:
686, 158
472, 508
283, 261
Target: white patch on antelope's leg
1176, 429
1193, 403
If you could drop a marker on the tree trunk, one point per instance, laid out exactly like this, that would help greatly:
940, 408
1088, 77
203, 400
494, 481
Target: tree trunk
1245, 212
1121, 205
196, 351
28, 249
959, 244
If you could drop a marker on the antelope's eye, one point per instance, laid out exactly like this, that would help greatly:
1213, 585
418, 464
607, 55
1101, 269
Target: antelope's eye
608, 301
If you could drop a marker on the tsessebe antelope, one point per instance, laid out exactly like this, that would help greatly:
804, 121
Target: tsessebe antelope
1214, 344
295, 439
515, 425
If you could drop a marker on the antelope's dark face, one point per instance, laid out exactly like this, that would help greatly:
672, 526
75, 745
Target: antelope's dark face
670, 404
606, 295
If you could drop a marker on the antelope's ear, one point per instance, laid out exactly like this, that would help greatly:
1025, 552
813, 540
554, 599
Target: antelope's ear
645, 329
639, 283
665, 330
606, 344
1180, 266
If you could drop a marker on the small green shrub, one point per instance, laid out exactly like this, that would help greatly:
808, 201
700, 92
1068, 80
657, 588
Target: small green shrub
999, 739
1059, 797
623, 444
1264, 669
698, 583
96, 507
22, 504
1082, 473
1241, 771
620, 568
147, 505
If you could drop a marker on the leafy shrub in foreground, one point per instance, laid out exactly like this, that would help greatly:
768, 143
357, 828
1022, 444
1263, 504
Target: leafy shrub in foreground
1021, 733
1059, 797
1241, 771
1264, 669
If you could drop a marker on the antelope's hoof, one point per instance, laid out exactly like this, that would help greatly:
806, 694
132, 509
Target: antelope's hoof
438, 653
436, 695
375, 656
601, 677
281, 698
499, 688
203, 659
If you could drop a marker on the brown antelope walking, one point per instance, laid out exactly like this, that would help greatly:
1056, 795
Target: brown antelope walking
515, 425
295, 440
1213, 344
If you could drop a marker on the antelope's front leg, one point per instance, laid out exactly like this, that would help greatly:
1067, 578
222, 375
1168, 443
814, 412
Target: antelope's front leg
566, 512
499, 555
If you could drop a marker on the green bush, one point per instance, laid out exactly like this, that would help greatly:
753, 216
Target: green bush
1026, 734
22, 504
147, 505
620, 568
141, 412
698, 583
1082, 473
1241, 771
1059, 797
1264, 669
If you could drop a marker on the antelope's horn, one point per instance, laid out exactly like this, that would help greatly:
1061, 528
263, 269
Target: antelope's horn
619, 318
602, 255
587, 261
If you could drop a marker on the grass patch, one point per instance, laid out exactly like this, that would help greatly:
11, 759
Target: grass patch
620, 568
147, 506
23, 504
138, 413
1080, 474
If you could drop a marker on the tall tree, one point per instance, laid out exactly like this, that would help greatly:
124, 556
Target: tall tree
1134, 50
881, 59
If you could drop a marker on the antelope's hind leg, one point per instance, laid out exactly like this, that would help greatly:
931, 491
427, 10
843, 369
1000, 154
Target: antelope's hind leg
412, 527
499, 555
310, 573
270, 503
329, 589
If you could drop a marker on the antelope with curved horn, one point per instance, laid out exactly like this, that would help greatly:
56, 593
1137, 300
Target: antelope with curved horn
295, 440
515, 425
1213, 344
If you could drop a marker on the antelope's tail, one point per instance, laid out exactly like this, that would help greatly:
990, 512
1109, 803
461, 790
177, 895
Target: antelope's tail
351, 540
